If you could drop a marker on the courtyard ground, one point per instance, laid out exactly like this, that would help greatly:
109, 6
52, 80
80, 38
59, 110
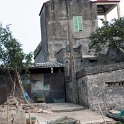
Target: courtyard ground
85, 116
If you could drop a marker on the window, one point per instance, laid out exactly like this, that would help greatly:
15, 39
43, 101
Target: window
77, 21
110, 84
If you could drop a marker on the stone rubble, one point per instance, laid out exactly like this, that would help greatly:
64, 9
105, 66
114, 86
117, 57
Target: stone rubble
34, 107
11, 112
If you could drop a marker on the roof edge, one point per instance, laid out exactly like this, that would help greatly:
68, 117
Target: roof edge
43, 6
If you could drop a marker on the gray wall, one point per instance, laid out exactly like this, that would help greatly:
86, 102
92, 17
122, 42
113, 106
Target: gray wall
57, 28
43, 54
100, 85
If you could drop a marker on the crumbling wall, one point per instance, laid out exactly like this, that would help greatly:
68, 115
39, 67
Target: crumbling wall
11, 112
102, 85
57, 25
69, 91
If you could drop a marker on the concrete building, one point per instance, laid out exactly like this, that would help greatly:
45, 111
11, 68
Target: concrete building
54, 27
62, 20
82, 16
43, 79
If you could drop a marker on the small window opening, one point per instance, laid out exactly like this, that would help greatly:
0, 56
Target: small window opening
92, 61
109, 84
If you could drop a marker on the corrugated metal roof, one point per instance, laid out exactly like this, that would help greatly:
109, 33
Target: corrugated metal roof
47, 65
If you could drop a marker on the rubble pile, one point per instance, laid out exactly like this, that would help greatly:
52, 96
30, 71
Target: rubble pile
34, 107
11, 112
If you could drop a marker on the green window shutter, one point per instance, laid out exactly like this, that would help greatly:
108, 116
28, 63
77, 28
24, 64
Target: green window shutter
77, 21
80, 27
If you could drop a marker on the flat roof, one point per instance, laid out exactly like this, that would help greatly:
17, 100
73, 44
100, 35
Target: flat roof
105, 0
105, 6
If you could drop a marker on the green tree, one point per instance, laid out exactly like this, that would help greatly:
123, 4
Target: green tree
12, 57
109, 36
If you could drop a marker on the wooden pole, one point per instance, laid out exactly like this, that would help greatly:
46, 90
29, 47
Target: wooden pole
72, 60
21, 87
29, 118
7, 114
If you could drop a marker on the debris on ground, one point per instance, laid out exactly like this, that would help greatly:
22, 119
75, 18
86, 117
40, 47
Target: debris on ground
34, 107
45, 111
11, 112
65, 120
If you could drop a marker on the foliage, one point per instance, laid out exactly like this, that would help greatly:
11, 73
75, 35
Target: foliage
111, 34
11, 52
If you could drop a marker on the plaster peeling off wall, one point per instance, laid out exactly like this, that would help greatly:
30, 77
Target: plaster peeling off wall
37, 86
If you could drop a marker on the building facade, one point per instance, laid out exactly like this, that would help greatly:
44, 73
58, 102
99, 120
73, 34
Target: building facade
54, 27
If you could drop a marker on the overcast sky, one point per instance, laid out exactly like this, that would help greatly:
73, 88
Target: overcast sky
23, 15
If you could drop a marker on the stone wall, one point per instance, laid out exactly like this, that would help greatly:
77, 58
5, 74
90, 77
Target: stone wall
102, 85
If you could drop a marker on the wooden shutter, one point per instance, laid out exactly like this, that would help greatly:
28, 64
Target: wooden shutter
77, 21
80, 27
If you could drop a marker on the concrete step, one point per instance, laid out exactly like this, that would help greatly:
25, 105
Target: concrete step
64, 107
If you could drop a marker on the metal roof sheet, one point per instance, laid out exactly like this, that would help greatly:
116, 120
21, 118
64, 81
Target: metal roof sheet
47, 65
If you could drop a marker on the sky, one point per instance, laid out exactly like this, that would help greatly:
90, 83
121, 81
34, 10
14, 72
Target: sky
23, 15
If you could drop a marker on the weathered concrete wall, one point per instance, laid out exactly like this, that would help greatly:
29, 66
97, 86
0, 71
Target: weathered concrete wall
69, 91
42, 54
102, 83
37, 81
57, 27
64, 57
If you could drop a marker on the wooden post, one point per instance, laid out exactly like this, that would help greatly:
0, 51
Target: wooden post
72, 60
30, 118
7, 114
118, 10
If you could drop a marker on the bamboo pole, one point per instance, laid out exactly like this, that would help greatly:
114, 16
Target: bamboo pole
20, 84
102, 114
105, 106
7, 114
29, 118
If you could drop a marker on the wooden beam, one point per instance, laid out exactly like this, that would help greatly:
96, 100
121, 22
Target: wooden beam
110, 9
101, 14
107, 3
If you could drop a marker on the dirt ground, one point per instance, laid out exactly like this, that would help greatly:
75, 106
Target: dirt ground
85, 116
